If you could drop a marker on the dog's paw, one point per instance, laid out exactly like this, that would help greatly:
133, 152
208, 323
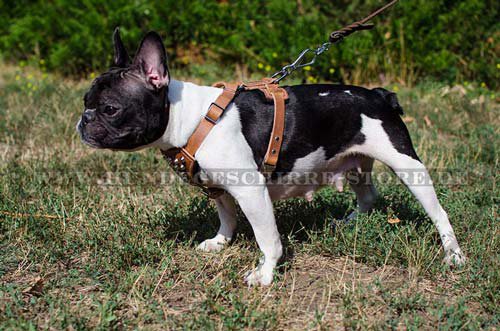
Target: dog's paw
210, 245
259, 276
213, 245
455, 258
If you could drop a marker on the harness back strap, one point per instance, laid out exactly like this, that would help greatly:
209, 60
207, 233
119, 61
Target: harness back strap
273, 150
273, 93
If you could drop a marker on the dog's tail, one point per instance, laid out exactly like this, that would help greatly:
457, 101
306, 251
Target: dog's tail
390, 98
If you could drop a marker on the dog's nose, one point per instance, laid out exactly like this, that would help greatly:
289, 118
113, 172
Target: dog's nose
88, 116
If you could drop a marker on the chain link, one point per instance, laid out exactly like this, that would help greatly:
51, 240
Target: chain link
298, 63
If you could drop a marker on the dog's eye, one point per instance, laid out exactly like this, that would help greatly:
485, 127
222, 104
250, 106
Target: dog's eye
110, 110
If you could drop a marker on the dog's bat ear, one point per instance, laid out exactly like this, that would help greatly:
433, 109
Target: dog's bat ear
121, 58
151, 59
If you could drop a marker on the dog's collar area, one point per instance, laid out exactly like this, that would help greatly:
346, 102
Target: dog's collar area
183, 160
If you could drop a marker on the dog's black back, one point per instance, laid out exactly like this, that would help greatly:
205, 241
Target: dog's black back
327, 116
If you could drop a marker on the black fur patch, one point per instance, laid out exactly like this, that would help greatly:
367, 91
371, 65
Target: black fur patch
327, 116
391, 98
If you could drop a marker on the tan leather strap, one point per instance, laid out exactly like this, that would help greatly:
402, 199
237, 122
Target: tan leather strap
276, 138
266, 86
213, 115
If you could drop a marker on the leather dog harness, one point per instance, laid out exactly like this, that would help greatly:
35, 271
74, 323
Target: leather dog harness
183, 159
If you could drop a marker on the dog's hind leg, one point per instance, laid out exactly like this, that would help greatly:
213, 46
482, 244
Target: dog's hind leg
226, 208
405, 163
416, 177
360, 181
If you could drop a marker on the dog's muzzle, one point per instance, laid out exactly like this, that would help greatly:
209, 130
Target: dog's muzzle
87, 117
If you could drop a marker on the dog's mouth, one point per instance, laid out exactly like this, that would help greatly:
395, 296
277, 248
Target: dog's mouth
89, 142
84, 138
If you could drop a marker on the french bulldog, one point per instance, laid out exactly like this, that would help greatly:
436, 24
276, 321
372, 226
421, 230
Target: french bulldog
334, 129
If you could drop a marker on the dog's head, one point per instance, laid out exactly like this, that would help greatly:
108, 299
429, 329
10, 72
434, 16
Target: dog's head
125, 106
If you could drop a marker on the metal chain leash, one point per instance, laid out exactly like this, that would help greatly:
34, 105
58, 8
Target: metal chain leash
335, 37
297, 64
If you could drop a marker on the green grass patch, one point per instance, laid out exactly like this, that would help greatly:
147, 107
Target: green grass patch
80, 249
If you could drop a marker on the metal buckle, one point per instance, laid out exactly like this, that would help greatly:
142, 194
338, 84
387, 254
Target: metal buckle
216, 105
211, 120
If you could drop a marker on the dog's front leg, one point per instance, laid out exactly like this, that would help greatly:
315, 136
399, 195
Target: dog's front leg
257, 207
226, 209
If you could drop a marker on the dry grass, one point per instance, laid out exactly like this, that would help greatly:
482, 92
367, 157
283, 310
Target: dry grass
311, 293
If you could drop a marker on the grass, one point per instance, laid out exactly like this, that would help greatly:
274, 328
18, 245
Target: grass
84, 247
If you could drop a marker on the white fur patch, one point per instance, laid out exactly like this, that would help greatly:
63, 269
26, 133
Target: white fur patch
377, 144
324, 94
311, 161
348, 92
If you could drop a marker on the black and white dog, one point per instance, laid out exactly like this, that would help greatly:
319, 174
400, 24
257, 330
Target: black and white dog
329, 128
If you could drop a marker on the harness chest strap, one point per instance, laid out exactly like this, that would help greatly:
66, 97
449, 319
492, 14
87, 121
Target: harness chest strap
183, 159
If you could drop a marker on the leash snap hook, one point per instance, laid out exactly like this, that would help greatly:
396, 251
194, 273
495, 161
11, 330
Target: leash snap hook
335, 37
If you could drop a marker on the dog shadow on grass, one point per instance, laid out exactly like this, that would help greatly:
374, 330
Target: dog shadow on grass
296, 218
